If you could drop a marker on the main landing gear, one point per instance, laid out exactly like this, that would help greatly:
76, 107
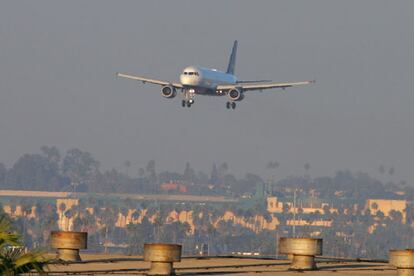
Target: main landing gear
185, 103
231, 105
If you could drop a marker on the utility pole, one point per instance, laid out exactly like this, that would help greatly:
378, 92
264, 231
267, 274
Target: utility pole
294, 213
277, 244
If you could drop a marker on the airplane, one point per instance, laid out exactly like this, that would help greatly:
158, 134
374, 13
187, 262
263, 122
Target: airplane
196, 80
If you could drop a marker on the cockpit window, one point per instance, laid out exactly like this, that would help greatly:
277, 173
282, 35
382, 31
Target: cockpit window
191, 73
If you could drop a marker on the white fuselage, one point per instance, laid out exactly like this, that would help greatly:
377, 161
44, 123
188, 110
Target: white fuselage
204, 80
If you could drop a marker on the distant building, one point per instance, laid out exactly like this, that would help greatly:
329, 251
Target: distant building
386, 206
63, 205
274, 205
18, 211
173, 186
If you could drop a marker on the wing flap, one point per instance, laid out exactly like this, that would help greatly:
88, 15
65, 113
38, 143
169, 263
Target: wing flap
261, 85
152, 81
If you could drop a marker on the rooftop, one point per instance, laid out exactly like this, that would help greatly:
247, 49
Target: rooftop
94, 264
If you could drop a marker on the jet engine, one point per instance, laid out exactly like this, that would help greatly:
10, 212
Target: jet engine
235, 95
168, 92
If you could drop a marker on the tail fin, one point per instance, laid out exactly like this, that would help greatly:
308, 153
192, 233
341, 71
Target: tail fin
232, 61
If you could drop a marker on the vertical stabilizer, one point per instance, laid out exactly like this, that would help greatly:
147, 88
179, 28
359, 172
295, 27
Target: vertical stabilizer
232, 61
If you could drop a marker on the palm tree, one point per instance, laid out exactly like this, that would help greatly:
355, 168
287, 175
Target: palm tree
13, 260
62, 208
135, 215
127, 165
124, 212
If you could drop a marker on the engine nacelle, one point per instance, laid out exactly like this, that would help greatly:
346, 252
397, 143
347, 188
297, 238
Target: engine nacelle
168, 92
235, 95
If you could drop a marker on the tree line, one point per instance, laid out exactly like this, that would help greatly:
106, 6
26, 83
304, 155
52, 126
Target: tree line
78, 170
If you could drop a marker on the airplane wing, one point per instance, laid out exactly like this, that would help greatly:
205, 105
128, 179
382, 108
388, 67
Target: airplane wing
145, 80
261, 85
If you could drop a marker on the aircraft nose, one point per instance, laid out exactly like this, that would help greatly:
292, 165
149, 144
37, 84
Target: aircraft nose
189, 80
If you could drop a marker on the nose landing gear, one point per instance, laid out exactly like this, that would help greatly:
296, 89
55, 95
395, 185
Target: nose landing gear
188, 97
231, 105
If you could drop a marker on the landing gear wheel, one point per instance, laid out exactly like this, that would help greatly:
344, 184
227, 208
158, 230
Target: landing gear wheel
228, 105
233, 105
188, 104
183, 103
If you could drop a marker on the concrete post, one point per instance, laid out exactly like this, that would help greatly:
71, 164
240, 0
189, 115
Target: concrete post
162, 257
68, 244
303, 251
403, 260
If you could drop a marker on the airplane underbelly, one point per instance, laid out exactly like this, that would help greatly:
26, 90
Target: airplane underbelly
208, 84
212, 83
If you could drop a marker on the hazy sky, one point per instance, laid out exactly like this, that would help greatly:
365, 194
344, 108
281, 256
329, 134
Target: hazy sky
58, 61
